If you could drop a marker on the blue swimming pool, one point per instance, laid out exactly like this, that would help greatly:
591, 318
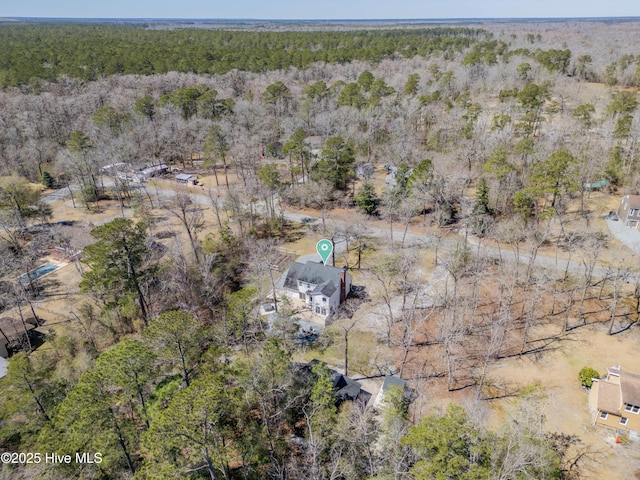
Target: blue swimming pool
36, 273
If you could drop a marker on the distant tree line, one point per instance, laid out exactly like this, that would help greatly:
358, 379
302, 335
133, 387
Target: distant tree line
44, 51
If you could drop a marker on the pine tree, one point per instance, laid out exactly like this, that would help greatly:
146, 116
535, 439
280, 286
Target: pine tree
367, 200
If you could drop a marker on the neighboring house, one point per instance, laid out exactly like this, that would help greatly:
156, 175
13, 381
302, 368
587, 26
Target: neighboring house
113, 168
366, 171
322, 287
629, 211
344, 388
154, 171
390, 180
615, 400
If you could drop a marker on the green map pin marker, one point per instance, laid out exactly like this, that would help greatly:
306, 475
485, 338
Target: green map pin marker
324, 249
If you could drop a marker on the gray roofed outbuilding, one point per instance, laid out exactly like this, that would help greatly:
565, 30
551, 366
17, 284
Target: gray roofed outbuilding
345, 388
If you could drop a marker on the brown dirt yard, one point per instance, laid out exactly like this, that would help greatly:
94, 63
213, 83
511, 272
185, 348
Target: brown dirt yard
568, 413
555, 370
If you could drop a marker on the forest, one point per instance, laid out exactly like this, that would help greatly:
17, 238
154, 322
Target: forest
462, 176
47, 51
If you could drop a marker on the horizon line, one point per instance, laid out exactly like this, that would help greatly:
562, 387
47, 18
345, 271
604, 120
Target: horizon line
239, 19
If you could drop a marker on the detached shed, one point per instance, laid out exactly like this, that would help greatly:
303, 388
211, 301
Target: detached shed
185, 178
394, 382
13, 331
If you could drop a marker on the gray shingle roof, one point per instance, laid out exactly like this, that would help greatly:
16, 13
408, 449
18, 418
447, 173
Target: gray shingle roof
393, 381
345, 388
325, 278
327, 289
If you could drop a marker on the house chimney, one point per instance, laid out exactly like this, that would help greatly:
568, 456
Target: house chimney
343, 284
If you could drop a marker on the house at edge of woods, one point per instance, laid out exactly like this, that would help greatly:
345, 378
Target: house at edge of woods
344, 388
629, 210
615, 400
321, 287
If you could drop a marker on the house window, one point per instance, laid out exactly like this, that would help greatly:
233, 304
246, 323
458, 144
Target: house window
631, 408
324, 311
318, 310
603, 415
302, 296
623, 420
324, 300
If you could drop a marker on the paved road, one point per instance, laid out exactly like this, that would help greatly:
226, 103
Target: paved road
200, 197
56, 195
541, 261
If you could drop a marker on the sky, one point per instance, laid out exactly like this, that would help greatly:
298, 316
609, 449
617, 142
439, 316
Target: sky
319, 9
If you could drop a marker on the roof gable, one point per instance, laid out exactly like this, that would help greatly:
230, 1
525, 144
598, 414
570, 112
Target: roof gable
391, 381
617, 389
630, 387
326, 289
314, 273
632, 200
608, 397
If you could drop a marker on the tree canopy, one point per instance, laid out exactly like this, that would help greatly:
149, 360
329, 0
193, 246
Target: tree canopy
118, 262
89, 51
337, 164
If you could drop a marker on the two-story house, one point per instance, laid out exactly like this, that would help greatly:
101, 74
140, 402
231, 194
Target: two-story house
629, 210
615, 400
322, 287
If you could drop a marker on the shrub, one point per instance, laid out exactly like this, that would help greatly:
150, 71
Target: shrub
586, 376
